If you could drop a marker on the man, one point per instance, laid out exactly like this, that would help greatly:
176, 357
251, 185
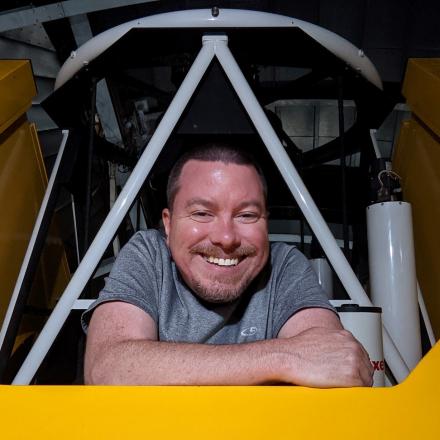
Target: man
212, 303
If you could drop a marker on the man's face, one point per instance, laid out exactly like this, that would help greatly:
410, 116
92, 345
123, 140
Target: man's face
217, 230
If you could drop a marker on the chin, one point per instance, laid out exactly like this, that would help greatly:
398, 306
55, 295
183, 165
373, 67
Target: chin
219, 294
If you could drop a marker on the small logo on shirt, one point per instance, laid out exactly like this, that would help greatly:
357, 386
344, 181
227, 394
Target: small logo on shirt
249, 331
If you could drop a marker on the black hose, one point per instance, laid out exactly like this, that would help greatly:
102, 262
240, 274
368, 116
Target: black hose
345, 232
88, 201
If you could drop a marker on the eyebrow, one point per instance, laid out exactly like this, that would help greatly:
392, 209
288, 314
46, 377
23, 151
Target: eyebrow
199, 201
208, 204
251, 203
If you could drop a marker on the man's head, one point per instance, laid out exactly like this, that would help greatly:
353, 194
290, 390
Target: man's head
216, 221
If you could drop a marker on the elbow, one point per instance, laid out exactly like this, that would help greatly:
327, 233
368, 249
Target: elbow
96, 371
103, 370
90, 378
93, 374
96, 375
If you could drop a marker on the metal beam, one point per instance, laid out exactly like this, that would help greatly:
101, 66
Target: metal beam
44, 62
115, 217
18, 18
82, 33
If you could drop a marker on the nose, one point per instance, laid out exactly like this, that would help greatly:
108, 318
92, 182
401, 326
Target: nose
224, 234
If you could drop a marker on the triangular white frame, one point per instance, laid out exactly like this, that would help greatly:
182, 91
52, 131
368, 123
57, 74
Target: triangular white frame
212, 45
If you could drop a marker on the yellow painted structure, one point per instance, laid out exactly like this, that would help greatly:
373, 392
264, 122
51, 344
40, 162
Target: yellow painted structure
23, 181
408, 411
421, 89
417, 160
17, 88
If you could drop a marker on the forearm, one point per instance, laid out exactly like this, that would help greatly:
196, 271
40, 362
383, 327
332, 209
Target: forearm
125, 351
143, 362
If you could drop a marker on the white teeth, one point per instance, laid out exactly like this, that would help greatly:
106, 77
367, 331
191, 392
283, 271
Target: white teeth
222, 261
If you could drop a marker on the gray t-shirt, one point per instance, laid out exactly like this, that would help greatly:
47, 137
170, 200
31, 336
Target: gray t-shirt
145, 275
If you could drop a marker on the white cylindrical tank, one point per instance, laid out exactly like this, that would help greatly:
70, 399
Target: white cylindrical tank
325, 275
393, 280
365, 324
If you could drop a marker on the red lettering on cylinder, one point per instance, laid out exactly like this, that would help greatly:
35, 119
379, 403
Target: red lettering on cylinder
378, 365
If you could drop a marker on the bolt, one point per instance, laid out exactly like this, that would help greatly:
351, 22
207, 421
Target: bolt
215, 11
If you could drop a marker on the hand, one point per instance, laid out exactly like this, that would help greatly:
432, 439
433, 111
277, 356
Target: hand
323, 358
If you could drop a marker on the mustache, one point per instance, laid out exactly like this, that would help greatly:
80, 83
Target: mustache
216, 252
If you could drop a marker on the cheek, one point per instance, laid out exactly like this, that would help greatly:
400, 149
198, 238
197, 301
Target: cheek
186, 232
194, 230
259, 238
256, 235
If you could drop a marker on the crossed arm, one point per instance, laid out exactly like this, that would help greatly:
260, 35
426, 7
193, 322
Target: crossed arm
312, 349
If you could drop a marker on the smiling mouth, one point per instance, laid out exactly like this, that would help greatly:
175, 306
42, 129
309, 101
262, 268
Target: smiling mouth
221, 261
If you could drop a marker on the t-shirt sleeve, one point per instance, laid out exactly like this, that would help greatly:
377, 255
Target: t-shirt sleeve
133, 278
296, 288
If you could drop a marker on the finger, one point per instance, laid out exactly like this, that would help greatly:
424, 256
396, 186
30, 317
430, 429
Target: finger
366, 369
359, 345
366, 359
366, 375
368, 364
364, 350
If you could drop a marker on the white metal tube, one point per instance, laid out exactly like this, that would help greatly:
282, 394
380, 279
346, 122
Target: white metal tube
325, 275
303, 198
33, 238
393, 275
374, 142
388, 381
114, 218
228, 18
112, 199
425, 316
75, 228
366, 326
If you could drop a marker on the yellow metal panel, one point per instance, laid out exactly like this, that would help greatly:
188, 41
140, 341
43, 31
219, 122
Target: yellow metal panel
22, 184
21, 191
417, 161
54, 270
17, 88
422, 90
408, 411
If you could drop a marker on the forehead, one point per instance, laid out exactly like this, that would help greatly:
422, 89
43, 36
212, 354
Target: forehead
218, 179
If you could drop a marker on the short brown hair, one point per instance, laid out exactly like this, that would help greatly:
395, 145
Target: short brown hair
212, 152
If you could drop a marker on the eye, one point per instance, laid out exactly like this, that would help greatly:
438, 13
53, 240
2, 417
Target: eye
201, 216
248, 217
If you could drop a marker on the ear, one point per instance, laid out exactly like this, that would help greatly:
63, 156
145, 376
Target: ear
166, 219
